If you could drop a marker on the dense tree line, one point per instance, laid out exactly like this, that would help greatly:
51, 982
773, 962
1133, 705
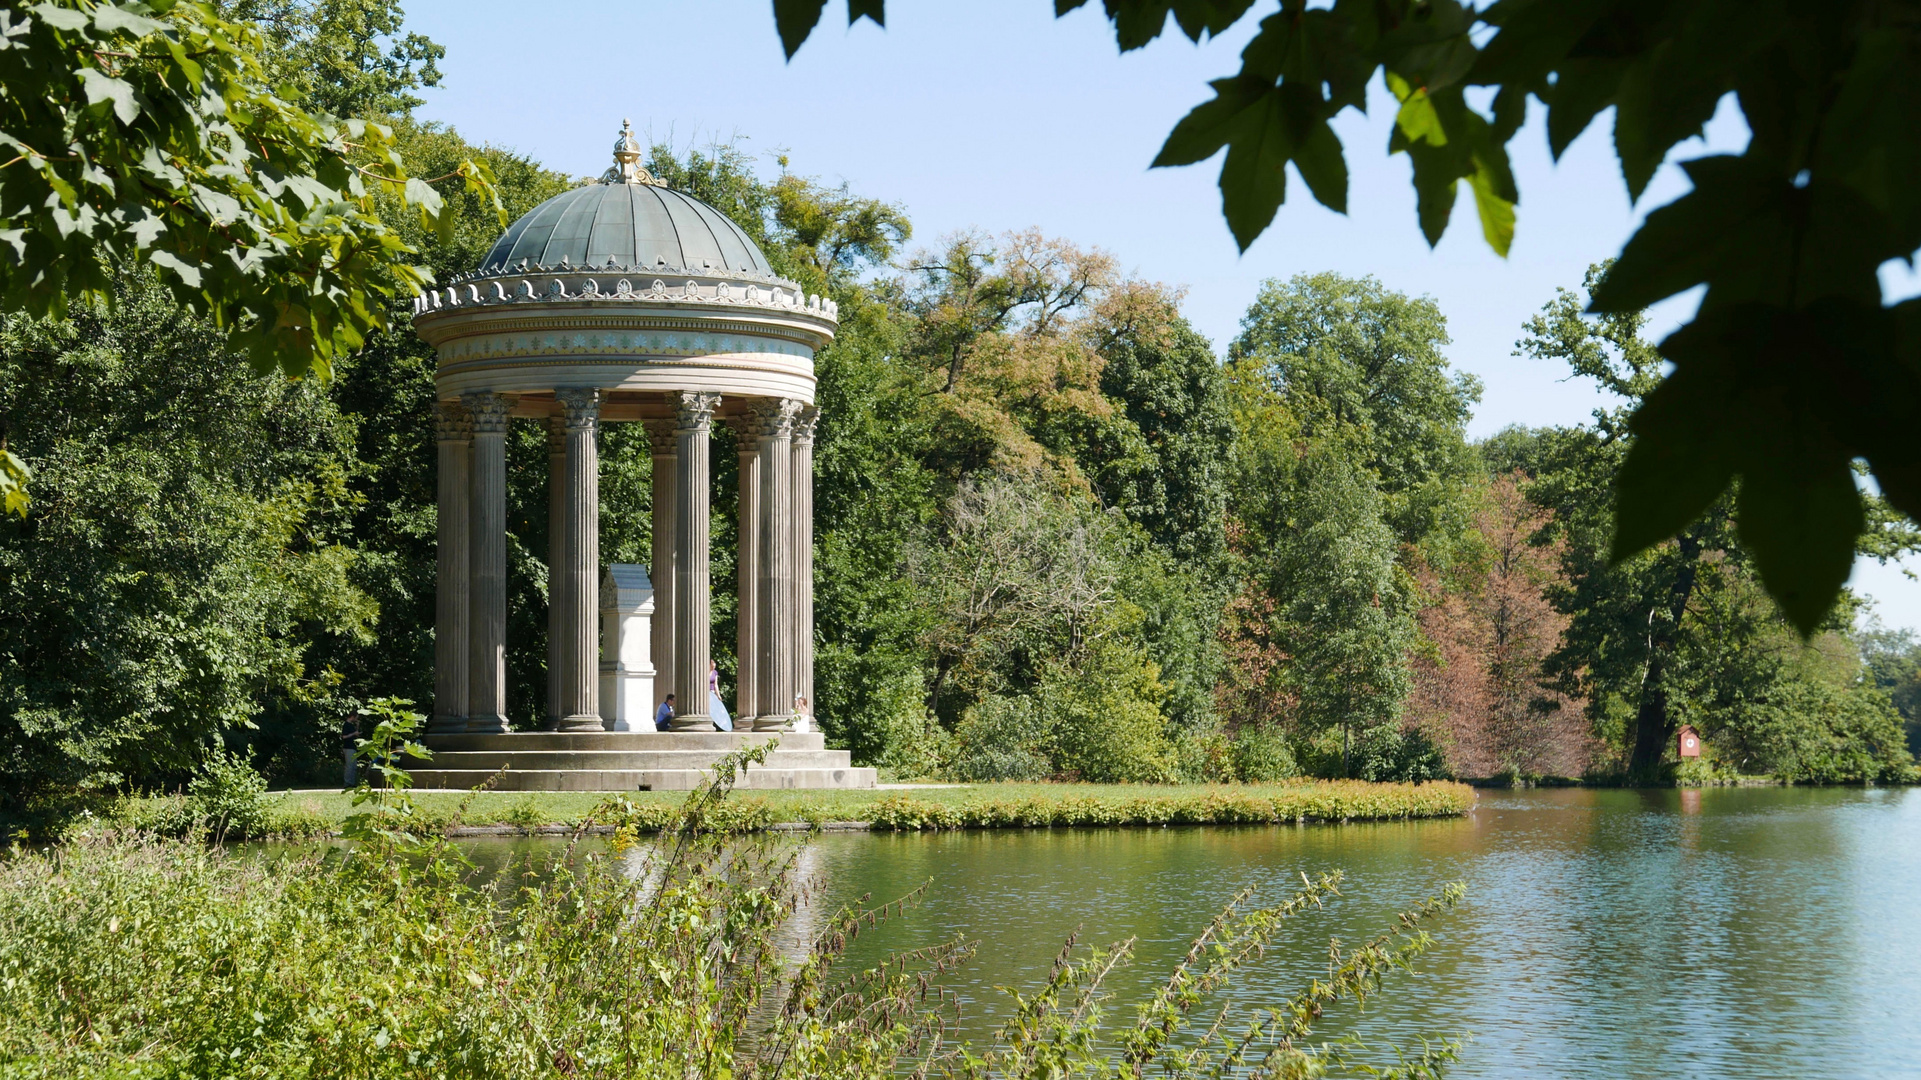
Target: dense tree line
1057, 534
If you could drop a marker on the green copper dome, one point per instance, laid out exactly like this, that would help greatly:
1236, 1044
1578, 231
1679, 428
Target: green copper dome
635, 225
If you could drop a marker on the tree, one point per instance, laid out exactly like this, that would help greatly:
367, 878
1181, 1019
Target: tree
1792, 368
1491, 627
148, 134
191, 545
1629, 643
1354, 357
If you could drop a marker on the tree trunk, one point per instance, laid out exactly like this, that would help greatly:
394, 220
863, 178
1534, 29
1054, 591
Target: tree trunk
1653, 726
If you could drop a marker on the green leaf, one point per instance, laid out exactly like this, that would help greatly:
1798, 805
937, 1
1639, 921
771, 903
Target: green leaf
1254, 176
1533, 39
100, 87
62, 17
1436, 175
875, 10
1799, 520
1752, 235
1582, 88
187, 272
795, 20
1678, 464
1417, 119
1497, 213
1323, 166
1208, 127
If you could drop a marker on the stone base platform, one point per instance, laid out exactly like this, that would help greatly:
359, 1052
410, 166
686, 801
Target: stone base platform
631, 761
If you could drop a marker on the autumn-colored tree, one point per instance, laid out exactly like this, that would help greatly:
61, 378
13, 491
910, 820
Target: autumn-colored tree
1480, 689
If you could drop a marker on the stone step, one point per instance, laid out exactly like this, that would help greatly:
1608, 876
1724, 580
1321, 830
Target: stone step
626, 759
641, 779
717, 741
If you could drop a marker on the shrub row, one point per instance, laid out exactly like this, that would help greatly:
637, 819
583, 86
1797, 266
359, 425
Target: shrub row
1324, 801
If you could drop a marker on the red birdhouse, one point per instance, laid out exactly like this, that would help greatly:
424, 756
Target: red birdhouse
1689, 741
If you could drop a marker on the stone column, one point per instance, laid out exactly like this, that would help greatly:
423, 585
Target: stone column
691, 598
660, 433
775, 592
580, 574
556, 562
747, 575
803, 455
455, 435
487, 548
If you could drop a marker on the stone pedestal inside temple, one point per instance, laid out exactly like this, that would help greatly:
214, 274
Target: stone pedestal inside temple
626, 636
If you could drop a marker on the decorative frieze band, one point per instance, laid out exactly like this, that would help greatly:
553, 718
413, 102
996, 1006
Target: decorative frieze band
625, 342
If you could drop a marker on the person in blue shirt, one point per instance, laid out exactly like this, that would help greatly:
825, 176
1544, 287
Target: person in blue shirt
664, 716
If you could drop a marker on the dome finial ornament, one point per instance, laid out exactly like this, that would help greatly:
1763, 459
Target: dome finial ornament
627, 167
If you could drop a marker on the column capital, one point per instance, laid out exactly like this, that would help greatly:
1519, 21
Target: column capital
804, 425
695, 409
774, 419
451, 422
580, 406
490, 411
746, 429
660, 436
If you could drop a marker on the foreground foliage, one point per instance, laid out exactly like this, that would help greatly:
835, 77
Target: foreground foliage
138, 957
1793, 367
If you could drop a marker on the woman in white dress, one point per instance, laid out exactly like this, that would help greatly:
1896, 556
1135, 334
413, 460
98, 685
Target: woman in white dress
716, 711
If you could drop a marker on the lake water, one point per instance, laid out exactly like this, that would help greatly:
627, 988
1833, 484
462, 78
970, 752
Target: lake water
1759, 932
1722, 933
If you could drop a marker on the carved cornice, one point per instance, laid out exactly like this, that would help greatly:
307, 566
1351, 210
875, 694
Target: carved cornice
490, 411
580, 406
696, 411
531, 284
451, 422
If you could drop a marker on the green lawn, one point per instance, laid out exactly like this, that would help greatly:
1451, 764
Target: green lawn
980, 805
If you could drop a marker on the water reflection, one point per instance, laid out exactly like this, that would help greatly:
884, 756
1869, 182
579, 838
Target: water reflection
1722, 933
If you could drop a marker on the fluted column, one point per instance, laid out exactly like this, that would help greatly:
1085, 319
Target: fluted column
455, 435
775, 591
580, 573
803, 541
660, 433
487, 550
691, 598
747, 571
556, 561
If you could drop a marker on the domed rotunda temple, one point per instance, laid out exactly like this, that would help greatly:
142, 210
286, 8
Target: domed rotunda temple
626, 301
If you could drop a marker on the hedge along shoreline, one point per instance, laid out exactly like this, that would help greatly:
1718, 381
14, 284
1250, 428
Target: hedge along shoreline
1325, 801
990, 806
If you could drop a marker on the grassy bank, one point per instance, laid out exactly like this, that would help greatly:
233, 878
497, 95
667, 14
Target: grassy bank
974, 806
137, 957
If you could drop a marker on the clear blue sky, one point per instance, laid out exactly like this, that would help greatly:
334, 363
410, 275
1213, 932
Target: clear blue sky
991, 114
